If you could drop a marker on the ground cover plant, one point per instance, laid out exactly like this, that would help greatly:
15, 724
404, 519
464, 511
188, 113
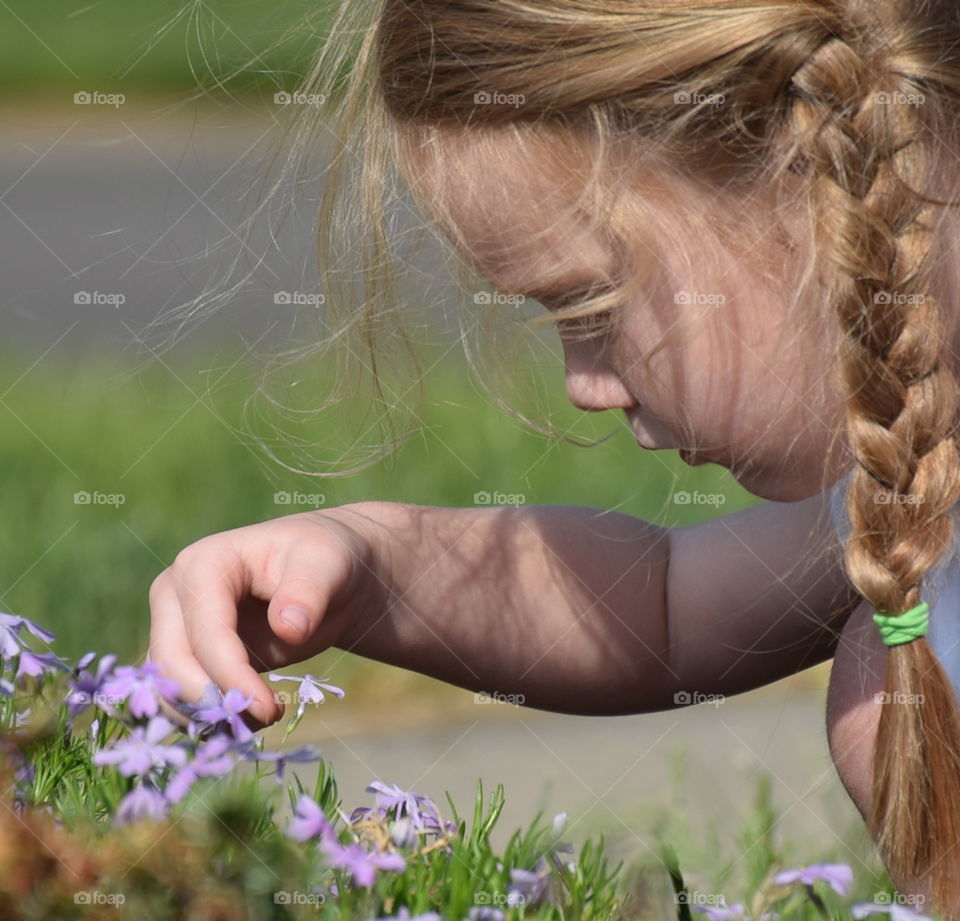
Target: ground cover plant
123, 800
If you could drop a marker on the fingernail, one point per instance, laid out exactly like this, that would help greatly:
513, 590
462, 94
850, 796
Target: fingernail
296, 619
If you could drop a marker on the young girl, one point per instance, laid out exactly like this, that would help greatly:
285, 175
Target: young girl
739, 215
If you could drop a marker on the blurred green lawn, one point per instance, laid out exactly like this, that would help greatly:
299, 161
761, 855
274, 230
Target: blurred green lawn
81, 426
114, 45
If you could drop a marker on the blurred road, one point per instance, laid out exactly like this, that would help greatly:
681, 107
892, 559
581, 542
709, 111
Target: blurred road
613, 774
110, 217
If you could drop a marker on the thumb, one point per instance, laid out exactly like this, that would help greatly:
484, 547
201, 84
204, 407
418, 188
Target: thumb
308, 582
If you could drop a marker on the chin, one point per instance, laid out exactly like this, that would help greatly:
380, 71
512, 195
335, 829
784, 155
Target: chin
778, 486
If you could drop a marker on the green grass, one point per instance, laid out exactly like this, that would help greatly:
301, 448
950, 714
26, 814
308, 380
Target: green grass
112, 45
180, 459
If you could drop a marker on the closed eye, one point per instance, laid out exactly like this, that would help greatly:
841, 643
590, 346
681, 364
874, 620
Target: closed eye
593, 323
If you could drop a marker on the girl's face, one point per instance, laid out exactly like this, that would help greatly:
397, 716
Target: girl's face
738, 387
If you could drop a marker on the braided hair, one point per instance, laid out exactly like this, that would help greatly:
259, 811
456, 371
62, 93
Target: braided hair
848, 104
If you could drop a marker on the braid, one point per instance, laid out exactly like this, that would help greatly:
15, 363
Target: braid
867, 157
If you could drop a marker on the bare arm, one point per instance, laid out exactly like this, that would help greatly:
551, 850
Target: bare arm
579, 610
587, 611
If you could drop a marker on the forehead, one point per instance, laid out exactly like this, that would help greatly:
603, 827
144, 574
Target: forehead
512, 213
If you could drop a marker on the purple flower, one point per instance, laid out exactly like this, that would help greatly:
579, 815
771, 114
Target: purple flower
143, 802
216, 710
525, 887
485, 913
36, 664
361, 864
421, 810
142, 688
402, 833
310, 690
404, 915
836, 875
10, 627
87, 686
141, 751
301, 755
734, 912
212, 758
897, 912
309, 821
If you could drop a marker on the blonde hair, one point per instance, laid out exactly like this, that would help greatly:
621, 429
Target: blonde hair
840, 114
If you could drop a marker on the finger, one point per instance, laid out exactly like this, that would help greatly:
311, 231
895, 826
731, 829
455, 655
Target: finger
311, 576
209, 592
169, 648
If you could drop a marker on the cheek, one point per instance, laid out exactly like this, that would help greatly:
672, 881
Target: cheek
764, 414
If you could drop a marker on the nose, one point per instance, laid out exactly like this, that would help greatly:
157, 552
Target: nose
591, 384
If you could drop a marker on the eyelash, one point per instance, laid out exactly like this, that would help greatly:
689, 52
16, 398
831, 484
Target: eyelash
592, 322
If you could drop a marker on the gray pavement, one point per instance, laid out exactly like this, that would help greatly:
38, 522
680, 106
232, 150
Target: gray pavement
110, 218
695, 767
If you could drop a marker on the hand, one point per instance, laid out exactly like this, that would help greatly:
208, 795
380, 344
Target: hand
258, 598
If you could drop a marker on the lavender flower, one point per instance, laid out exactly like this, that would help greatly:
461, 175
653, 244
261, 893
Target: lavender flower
361, 864
404, 915
734, 912
37, 664
218, 711
421, 810
10, 627
402, 833
485, 913
896, 912
143, 802
309, 821
527, 888
142, 688
310, 690
87, 686
301, 755
141, 752
212, 758
836, 875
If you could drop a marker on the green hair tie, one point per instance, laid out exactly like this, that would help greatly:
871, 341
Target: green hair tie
902, 628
